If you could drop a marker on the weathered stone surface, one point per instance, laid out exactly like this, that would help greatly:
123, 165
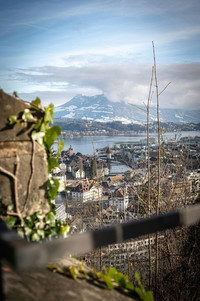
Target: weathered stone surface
46, 285
12, 106
29, 165
24, 159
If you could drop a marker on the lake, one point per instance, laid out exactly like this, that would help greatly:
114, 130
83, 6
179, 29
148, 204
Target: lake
84, 145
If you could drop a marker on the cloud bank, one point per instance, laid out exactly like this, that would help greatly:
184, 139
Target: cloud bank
119, 83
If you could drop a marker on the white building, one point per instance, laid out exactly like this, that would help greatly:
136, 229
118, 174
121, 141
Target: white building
87, 191
120, 198
77, 173
63, 167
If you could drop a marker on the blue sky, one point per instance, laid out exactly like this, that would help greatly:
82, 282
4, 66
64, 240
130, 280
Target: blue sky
57, 49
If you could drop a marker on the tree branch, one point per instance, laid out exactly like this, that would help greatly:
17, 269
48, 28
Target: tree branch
164, 89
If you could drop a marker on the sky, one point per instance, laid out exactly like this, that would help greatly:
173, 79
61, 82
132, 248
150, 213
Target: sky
57, 49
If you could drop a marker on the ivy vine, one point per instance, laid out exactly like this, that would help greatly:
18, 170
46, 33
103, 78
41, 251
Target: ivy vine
110, 279
38, 226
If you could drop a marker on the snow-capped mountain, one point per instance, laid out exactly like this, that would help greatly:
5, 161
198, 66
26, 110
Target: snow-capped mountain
99, 108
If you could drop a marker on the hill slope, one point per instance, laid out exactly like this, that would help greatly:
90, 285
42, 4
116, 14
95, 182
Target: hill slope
99, 108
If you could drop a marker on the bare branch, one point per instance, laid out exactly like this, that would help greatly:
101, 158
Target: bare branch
164, 89
137, 107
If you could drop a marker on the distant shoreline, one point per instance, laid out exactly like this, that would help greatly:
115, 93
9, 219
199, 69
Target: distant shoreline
66, 134
85, 144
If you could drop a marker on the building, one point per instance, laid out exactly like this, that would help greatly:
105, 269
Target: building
77, 173
71, 151
116, 180
86, 191
108, 153
120, 199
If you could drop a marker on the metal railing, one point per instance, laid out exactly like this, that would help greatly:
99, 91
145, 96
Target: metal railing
22, 255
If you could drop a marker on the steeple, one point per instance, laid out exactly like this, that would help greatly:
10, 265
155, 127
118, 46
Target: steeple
71, 151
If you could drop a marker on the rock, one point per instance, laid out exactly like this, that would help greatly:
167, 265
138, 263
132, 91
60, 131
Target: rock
23, 158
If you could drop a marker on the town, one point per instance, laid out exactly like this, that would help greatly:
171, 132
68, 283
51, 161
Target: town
82, 127
91, 196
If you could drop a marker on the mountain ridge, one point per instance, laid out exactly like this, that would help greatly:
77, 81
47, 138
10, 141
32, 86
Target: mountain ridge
99, 108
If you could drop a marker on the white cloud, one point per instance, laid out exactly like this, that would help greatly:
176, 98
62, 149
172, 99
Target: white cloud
118, 83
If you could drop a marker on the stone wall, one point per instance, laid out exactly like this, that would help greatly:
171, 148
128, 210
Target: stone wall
42, 284
20, 157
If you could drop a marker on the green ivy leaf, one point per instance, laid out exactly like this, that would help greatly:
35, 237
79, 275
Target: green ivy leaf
64, 230
51, 135
129, 285
35, 236
139, 292
38, 125
36, 103
20, 232
52, 163
10, 221
41, 233
112, 272
82, 270
108, 281
121, 280
73, 272
15, 94
137, 277
60, 148
52, 231
95, 274
39, 215
37, 225
50, 218
44, 127
10, 206
54, 268
17, 123
48, 114
38, 136
53, 190
27, 115
148, 296
12, 119
28, 231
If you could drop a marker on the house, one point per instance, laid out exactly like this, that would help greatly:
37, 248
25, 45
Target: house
75, 167
111, 215
141, 163
86, 191
63, 167
108, 187
60, 176
116, 180
120, 198
77, 173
